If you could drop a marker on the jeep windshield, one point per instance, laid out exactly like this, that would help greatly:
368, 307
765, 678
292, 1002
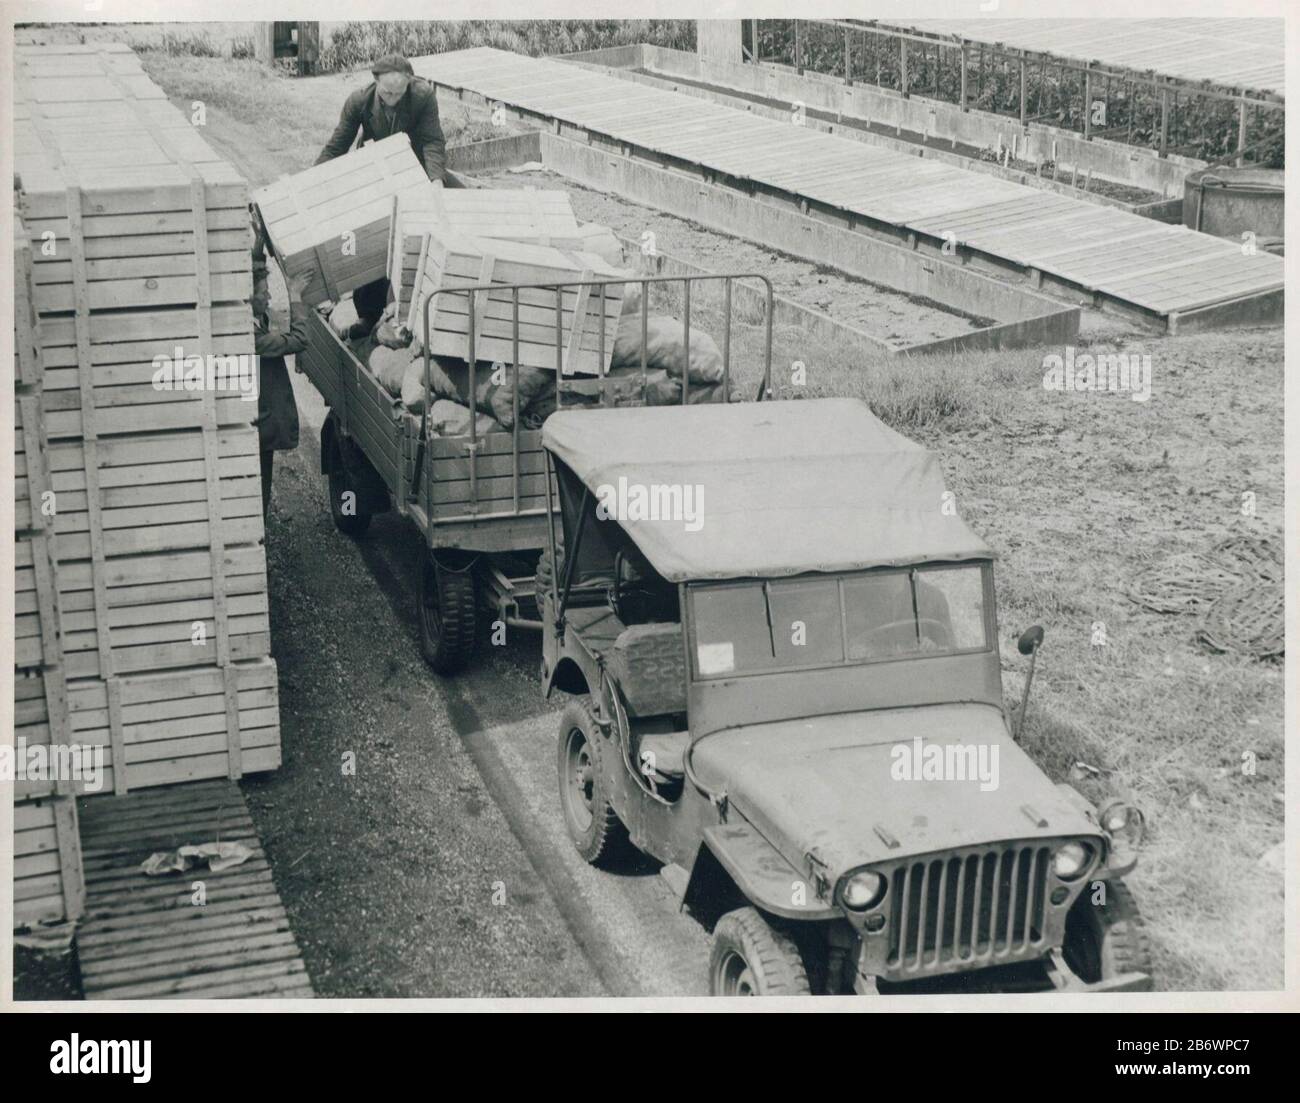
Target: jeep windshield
839, 620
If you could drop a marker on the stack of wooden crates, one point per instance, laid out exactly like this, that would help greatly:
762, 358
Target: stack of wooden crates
140, 263
374, 212
48, 882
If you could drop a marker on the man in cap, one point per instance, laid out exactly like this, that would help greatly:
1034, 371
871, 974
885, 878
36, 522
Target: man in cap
396, 102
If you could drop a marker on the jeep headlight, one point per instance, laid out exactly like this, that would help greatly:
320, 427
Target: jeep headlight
863, 890
1071, 860
1126, 826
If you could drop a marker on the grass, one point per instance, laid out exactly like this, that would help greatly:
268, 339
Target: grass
1079, 493
354, 45
357, 44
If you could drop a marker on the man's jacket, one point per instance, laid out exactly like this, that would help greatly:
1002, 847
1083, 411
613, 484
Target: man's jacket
416, 115
277, 413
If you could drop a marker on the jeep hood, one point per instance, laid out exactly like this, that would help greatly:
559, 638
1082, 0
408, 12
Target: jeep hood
842, 786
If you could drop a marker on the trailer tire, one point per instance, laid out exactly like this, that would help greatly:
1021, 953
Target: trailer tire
448, 616
341, 483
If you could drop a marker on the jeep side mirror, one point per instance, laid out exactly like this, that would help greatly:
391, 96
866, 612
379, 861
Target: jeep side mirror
1028, 644
1030, 640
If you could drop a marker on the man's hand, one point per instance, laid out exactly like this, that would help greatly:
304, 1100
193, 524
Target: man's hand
297, 287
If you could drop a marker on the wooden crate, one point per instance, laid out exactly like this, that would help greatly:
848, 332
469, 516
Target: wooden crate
531, 215
48, 880
333, 221
151, 492
32, 726
454, 261
177, 726
114, 181
132, 590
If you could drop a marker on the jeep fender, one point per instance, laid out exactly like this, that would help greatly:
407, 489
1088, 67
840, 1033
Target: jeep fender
566, 676
737, 853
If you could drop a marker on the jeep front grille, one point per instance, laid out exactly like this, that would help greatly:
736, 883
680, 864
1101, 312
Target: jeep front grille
968, 910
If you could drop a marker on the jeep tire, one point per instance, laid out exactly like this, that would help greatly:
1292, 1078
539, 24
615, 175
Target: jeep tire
593, 825
751, 957
1104, 941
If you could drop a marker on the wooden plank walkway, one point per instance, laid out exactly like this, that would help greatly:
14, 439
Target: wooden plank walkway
1160, 268
144, 937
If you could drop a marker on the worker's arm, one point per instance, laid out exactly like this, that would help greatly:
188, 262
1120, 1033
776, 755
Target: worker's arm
274, 342
345, 133
427, 138
271, 342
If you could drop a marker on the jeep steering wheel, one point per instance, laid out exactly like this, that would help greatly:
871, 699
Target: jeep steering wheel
928, 641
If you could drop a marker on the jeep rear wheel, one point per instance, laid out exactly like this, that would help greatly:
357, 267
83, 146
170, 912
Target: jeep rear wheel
1107, 940
593, 825
750, 957
448, 616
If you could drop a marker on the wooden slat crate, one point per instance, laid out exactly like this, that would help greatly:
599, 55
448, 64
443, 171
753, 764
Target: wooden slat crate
531, 215
453, 260
109, 167
333, 221
174, 726
152, 492
48, 881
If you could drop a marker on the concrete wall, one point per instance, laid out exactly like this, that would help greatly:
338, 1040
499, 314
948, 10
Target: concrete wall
1108, 160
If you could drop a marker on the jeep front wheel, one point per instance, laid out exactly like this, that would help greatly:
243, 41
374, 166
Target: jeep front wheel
593, 825
1106, 940
750, 957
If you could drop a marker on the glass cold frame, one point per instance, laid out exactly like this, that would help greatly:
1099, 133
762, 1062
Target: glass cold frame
831, 620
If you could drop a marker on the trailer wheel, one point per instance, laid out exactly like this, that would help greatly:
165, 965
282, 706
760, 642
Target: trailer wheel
750, 957
1103, 941
345, 497
448, 616
593, 825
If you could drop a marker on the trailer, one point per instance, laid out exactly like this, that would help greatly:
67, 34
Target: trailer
479, 502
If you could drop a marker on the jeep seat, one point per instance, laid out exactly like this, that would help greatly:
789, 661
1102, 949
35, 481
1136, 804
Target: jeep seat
665, 752
648, 665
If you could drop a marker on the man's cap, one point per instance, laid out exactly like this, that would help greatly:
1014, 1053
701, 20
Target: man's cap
392, 63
